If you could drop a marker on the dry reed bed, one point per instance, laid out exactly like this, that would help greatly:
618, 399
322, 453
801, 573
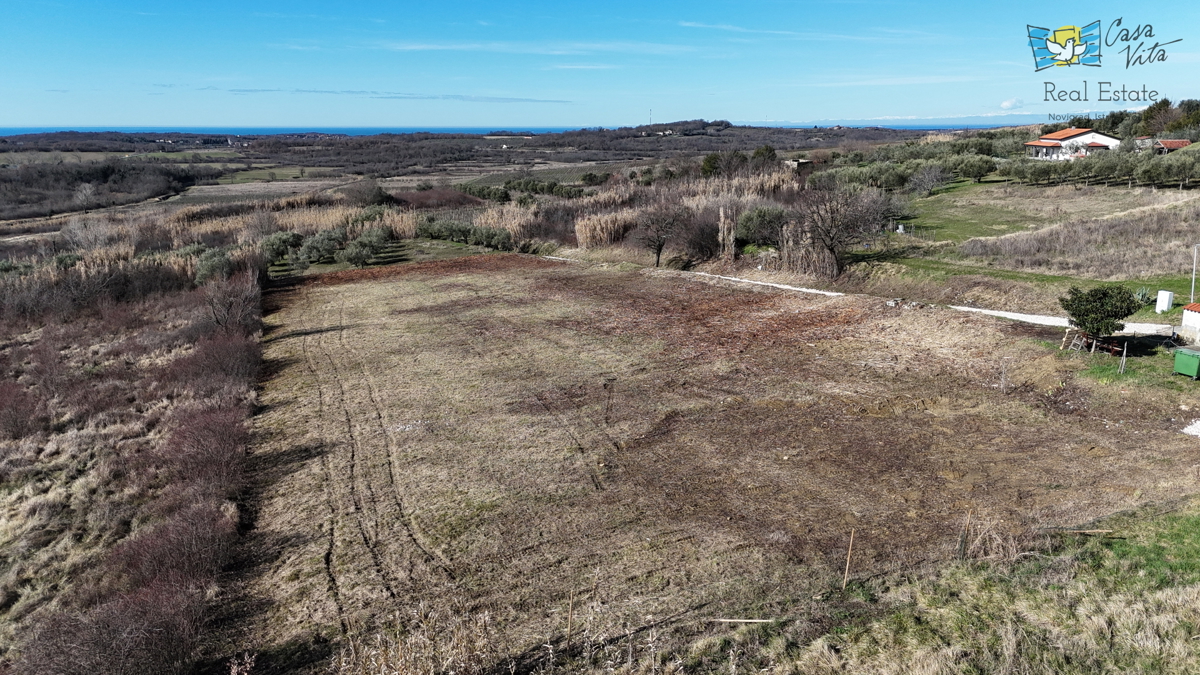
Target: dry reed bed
607, 218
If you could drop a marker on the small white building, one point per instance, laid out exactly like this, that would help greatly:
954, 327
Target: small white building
1071, 144
1190, 325
1191, 315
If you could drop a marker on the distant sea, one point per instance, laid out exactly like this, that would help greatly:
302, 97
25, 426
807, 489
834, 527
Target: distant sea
265, 131
948, 123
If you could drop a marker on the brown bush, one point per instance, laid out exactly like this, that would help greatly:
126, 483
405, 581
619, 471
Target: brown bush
218, 361
149, 632
187, 550
90, 397
208, 446
233, 304
18, 411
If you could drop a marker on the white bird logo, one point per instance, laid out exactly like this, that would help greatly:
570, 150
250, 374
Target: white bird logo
1065, 52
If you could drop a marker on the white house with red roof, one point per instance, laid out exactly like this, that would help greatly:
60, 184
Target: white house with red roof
1071, 144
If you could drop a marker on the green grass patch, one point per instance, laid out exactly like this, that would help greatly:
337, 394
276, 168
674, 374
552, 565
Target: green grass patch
1154, 553
953, 214
1122, 601
944, 268
1147, 365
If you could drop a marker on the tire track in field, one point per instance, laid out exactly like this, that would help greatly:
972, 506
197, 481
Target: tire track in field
326, 483
432, 557
581, 444
355, 450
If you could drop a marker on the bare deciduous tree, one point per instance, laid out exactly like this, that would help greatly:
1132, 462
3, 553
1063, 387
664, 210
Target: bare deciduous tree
927, 179
660, 224
827, 224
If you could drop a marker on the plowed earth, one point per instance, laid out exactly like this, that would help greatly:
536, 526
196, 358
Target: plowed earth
503, 433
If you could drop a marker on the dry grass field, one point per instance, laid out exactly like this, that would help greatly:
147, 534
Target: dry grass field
996, 208
580, 467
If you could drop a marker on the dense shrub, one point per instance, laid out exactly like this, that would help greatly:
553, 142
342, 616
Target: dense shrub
208, 446
18, 411
436, 198
188, 549
761, 226
698, 238
546, 188
224, 359
234, 304
356, 253
322, 245
1099, 311
497, 239
376, 238
367, 193
466, 234
594, 179
496, 194
213, 264
276, 246
150, 631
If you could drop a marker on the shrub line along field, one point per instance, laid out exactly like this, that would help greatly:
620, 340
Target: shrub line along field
504, 438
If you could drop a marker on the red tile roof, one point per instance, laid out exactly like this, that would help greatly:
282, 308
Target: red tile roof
1045, 144
1194, 307
1065, 134
1175, 145
1097, 145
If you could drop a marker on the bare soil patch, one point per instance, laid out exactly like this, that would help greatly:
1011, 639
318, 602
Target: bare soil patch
513, 436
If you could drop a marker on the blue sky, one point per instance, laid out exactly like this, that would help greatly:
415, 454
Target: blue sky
307, 63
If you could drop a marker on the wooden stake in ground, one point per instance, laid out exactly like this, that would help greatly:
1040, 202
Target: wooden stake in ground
846, 575
962, 540
1124, 351
570, 619
726, 234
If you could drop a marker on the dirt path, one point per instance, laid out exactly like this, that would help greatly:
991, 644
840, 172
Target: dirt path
524, 439
1132, 328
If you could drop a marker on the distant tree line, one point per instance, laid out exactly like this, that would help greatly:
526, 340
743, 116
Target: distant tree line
45, 189
546, 188
495, 194
1163, 119
1177, 169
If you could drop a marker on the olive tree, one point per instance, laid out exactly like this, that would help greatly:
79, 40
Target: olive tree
1099, 311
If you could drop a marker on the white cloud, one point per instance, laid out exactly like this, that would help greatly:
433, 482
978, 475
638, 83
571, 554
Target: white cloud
890, 35
1012, 104
546, 48
898, 81
566, 66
